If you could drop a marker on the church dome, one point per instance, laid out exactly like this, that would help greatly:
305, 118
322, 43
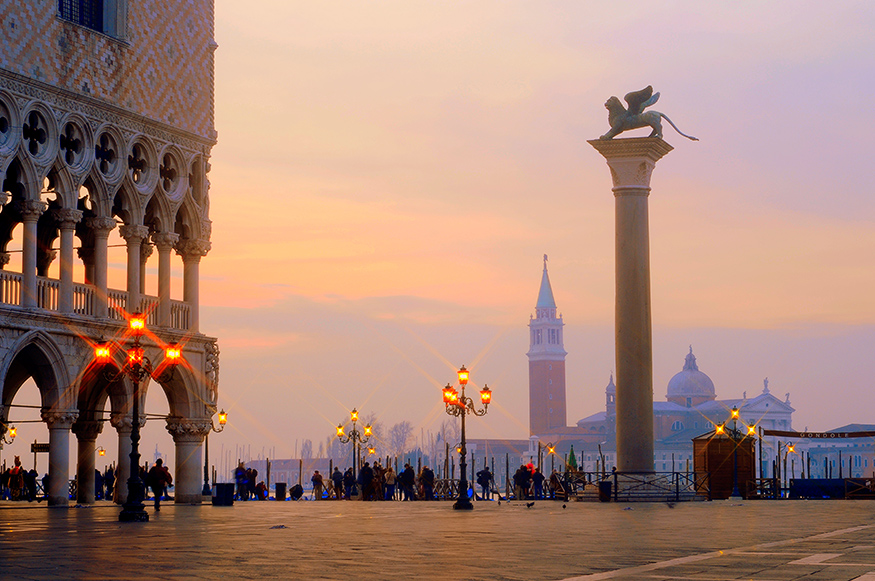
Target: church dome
691, 382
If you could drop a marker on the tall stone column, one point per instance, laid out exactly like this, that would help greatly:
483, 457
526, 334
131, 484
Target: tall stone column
145, 253
192, 251
134, 236
188, 434
59, 423
30, 210
631, 162
164, 242
67, 220
123, 425
86, 435
101, 227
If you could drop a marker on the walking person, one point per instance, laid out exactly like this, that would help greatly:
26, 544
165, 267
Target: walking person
318, 484
337, 480
158, 479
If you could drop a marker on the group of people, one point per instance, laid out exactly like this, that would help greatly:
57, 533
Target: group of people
528, 483
248, 485
375, 482
19, 483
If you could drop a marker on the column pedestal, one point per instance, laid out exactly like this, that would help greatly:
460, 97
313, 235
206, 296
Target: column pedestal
631, 162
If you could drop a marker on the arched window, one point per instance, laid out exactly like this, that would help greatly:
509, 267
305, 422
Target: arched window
677, 426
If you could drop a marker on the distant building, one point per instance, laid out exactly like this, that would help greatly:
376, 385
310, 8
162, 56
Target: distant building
691, 407
546, 363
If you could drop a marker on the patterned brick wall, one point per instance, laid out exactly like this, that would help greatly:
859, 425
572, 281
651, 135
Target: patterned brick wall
161, 69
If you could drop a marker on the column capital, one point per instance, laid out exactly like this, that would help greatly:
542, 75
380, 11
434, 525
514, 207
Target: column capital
59, 419
67, 218
188, 429
31, 210
193, 249
631, 160
121, 422
100, 224
164, 240
146, 251
133, 233
87, 430
5, 257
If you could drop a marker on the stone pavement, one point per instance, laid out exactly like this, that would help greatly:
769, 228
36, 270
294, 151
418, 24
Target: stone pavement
722, 540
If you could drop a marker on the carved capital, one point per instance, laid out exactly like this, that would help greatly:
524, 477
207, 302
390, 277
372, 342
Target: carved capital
100, 225
146, 251
5, 257
164, 240
188, 430
121, 422
30, 210
67, 218
190, 249
87, 430
631, 161
59, 419
133, 233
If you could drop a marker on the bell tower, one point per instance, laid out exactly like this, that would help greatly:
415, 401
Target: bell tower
546, 363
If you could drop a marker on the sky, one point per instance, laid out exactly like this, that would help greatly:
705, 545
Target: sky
389, 175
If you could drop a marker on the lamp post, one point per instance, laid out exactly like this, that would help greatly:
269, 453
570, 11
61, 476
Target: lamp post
735, 492
137, 367
223, 419
551, 450
457, 404
356, 437
12, 433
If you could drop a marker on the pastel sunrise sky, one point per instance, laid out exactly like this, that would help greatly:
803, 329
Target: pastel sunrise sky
389, 175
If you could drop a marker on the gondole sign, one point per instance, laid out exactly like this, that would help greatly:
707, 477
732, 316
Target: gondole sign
35, 447
818, 435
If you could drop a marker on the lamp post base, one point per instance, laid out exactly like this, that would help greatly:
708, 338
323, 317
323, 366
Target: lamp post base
463, 504
133, 514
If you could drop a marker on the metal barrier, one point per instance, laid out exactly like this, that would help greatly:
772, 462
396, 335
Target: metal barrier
661, 486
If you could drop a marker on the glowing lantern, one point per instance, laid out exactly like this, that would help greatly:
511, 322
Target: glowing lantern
718, 428
485, 395
101, 352
13, 431
734, 412
172, 352
136, 355
448, 393
751, 430
339, 431
368, 430
137, 323
463, 376
223, 418
354, 415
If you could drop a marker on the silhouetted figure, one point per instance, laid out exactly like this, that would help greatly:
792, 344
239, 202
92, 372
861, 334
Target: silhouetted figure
158, 479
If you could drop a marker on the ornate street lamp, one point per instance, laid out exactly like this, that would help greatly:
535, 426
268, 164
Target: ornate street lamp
223, 419
356, 437
457, 404
551, 451
12, 433
137, 368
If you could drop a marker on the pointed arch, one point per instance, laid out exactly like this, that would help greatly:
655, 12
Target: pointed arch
36, 355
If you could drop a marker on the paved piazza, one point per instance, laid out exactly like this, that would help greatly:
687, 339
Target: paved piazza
428, 540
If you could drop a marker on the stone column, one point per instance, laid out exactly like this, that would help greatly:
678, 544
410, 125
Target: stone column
188, 434
101, 228
145, 253
134, 236
30, 210
164, 242
67, 220
86, 434
123, 425
59, 423
631, 162
192, 251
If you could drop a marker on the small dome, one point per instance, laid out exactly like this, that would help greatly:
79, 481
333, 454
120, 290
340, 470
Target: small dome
691, 382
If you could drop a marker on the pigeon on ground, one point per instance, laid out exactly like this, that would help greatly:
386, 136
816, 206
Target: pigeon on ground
530, 504
670, 504
278, 527
563, 506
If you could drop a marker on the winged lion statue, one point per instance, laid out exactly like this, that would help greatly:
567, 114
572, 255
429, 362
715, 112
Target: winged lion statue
622, 119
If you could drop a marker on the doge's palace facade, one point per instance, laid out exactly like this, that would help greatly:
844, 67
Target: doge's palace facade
106, 121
